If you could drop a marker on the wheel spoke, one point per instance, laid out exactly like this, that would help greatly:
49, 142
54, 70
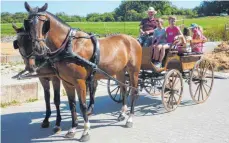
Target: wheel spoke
114, 88
175, 81
206, 70
202, 92
203, 67
205, 90
116, 93
197, 68
196, 91
199, 93
174, 99
178, 94
207, 85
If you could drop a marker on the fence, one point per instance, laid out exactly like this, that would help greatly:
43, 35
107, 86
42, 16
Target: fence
226, 30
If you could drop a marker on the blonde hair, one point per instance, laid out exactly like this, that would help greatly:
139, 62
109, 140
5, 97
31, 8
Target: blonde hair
160, 20
200, 28
172, 17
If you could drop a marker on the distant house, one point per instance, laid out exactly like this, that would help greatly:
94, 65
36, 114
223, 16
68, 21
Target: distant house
223, 14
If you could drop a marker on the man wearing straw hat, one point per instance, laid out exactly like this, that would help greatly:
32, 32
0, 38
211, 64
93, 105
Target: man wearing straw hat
147, 27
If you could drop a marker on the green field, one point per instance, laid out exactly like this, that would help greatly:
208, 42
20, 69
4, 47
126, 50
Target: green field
213, 27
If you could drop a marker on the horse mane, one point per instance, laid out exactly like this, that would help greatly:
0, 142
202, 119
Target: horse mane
58, 19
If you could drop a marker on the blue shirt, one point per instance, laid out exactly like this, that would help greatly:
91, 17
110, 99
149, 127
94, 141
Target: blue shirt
160, 33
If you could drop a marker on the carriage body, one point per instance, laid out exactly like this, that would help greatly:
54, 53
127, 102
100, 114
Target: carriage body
167, 81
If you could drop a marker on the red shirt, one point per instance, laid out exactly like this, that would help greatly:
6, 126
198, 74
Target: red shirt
172, 33
148, 24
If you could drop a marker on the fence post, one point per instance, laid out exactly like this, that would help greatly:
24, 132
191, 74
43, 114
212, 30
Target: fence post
225, 31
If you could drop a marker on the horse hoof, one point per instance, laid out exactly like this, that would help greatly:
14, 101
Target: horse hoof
56, 129
70, 135
45, 124
121, 118
129, 124
85, 138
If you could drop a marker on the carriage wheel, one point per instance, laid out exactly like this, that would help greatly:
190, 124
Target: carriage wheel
113, 89
201, 81
172, 90
153, 86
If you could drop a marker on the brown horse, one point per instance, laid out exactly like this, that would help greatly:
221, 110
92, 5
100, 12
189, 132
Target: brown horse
118, 54
24, 43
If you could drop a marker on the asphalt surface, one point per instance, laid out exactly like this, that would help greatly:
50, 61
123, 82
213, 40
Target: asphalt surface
189, 123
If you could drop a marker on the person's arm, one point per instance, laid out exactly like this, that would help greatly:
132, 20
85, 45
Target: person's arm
153, 39
141, 27
141, 30
198, 39
149, 31
181, 36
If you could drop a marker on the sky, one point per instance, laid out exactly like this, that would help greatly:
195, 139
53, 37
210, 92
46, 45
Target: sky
81, 8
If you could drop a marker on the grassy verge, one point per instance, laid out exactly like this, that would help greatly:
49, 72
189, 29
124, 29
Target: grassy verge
14, 103
213, 27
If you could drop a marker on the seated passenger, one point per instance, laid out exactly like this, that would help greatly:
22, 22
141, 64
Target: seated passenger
158, 41
197, 39
147, 27
184, 44
171, 32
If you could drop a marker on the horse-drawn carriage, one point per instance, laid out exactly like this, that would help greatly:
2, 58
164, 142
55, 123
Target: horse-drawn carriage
168, 80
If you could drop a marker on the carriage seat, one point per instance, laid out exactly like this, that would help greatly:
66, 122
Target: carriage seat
190, 53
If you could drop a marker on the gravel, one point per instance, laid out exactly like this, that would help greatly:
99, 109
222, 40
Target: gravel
7, 39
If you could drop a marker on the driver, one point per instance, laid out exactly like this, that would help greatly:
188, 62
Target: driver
147, 27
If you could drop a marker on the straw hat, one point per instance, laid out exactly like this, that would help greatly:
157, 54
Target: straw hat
151, 9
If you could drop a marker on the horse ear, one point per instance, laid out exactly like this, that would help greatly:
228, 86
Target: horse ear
15, 27
27, 7
44, 8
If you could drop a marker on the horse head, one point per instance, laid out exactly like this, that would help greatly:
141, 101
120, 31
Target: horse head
23, 43
38, 25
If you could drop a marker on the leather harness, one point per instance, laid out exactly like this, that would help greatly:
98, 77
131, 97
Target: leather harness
65, 53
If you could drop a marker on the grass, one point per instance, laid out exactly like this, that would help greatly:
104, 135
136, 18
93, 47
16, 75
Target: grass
213, 27
14, 103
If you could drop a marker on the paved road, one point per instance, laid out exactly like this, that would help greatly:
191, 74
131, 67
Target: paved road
190, 123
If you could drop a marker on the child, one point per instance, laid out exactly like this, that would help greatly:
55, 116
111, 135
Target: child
184, 44
198, 38
159, 39
171, 32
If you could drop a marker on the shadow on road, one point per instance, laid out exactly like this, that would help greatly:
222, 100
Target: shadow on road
25, 127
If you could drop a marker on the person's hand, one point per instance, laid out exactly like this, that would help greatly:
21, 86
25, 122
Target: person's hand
147, 32
142, 32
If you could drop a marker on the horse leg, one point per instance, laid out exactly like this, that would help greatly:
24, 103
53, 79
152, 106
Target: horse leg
121, 77
134, 93
92, 89
81, 92
70, 90
46, 87
56, 87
